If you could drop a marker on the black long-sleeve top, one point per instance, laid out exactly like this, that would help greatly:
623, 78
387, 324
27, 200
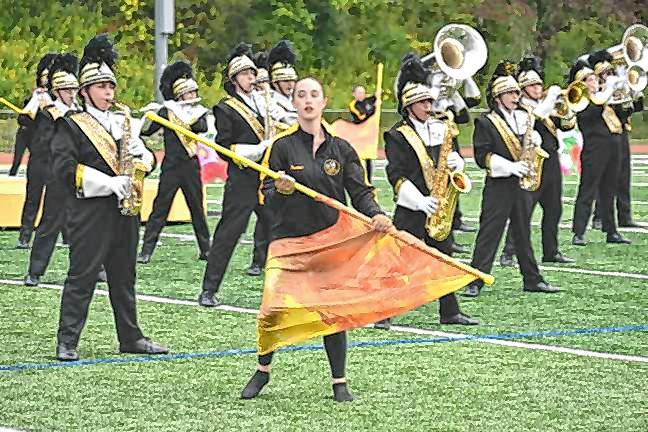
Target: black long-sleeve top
361, 111
174, 151
594, 129
333, 170
41, 132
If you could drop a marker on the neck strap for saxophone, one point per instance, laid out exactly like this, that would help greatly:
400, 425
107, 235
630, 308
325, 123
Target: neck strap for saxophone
548, 122
102, 141
511, 141
190, 145
425, 161
248, 115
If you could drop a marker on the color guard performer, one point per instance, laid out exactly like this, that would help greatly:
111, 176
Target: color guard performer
498, 140
62, 85
92, 149
601, 129
180, 166
309, 154
549, 194
240, 127
39, 129
413, 148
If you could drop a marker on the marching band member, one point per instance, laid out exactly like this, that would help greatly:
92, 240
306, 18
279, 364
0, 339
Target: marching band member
180, 166
549, 194
39, 128
601, 129
63, 86
240, 125
309, 154
497, 141
86, 150
281, 61
413, 146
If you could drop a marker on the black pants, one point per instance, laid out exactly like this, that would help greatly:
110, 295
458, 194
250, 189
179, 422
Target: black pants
623, 185
549, 195
456, 218
240, 199
185, 176
599, 173
37, 173
22, 136
503, 200
414, 223
336, 349
259, 254
98, 235
52, 223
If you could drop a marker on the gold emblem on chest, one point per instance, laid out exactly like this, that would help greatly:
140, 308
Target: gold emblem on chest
331, 167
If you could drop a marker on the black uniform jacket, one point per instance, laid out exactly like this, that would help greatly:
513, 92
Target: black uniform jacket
41, 131
333, 170
594, 129
361, 111
174, 151
233, 129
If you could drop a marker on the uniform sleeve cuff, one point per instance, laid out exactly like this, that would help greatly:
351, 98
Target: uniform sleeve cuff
78, 179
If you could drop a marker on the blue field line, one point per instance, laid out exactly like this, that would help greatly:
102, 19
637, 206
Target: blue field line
360, 344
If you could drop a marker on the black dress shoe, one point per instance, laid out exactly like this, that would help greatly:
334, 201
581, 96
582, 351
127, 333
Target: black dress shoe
207, 299
32, 280
542, 287
466, 228
204, 256
22, 244
255, 385
506, 260
254, 270
102, 276
144, 258
597, 224
460, 319
66, 353
341, 393
579, 240
143, 346
558, 258
383, 324
616, 238
457, 248
472, 290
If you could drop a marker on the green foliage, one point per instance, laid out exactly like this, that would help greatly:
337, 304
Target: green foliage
340, 41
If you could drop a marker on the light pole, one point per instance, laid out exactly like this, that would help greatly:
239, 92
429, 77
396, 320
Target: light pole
164, 26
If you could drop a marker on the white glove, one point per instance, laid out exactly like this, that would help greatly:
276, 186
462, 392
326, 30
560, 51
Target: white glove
636, 95
410, 197
471, 89
519, 168
455, 161
120, 186
536, 139
501, 167
151, 106
136, 146
97, 184
252, 151
458, 102
544, 108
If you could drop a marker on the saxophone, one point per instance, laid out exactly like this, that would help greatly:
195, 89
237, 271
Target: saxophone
130, 167
534, 156
446, 187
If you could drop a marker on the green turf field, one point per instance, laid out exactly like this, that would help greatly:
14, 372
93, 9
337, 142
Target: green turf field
572, 361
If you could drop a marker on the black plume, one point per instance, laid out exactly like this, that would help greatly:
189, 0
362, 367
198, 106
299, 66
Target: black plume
504, 68
260, 59
530, 63
580, 64
173, 72
67, 62
241, 49
282, 52
411, 70
600, 56
99, 50
44, 63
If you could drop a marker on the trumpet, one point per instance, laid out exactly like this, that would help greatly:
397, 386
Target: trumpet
573, 99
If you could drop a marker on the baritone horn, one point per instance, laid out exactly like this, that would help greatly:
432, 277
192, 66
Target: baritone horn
632, 52
575, 98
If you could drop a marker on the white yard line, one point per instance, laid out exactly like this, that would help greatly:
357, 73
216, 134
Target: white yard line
567, 226
402, 329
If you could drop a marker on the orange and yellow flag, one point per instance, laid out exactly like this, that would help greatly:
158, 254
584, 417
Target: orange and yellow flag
348, 276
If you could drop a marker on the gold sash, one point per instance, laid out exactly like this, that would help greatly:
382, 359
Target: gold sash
510, 139
189, 144
99, 137
426, 162
248, 115
54, 112
612, 120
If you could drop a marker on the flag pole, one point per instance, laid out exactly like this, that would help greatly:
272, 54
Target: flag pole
488, 279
